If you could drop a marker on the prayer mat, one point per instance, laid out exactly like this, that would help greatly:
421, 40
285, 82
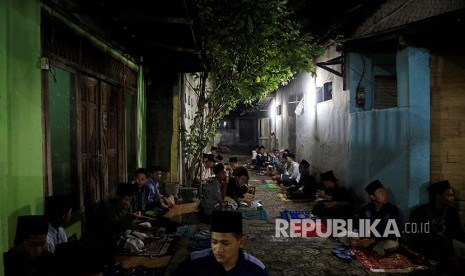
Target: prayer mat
271, 186
155, 213
395, 263
269, 181
288, 215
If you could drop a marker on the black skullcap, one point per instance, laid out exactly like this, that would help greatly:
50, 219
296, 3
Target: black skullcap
226, 222
218, 168
232, 159
219, 157
291, 155
329, 176
439, 187
373, 186
142, 171
30, 225
305, 163
205, 155
211, 158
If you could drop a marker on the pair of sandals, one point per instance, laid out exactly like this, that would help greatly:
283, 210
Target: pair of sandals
343, 253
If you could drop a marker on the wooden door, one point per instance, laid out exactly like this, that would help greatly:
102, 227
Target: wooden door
99, 142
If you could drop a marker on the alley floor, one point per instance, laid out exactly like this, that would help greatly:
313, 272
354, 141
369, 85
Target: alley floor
291, 256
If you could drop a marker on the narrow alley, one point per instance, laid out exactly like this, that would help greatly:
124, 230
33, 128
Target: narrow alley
293, 255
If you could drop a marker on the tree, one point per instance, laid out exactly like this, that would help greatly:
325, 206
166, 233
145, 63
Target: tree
250, 47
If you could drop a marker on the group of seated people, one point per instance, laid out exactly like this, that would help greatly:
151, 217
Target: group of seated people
335, 202
227, 186
29, 256
263, 160
41, 244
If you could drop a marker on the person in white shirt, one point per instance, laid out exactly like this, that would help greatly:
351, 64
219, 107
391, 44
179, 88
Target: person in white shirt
58, 213
291, 175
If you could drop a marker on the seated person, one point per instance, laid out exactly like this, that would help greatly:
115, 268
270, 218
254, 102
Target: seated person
219, 159
233, 164
140, 192
115, 217
380, 208
213, 151
214, 192
28, 257
291, 175
156, 198
274, 159
255, 151
226, 256
206, 173
280, 168
333, 201
306, 182
58, 213
262, 159
444, 225
237, 188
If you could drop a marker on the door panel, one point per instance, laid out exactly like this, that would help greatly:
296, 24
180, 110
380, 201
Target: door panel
89, 140
109, 141
99, 140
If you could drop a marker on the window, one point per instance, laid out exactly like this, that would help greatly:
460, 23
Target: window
279, 110
328, 91
385, 92
324, 93
62, 133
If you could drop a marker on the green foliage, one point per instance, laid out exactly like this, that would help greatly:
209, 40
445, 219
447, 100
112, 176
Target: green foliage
251, 47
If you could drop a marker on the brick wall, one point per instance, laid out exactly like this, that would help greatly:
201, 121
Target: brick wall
448, 122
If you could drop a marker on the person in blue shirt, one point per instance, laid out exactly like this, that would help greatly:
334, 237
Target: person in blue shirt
156, 199
226, 256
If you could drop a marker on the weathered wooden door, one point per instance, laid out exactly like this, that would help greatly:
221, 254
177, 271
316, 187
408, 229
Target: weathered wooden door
99, 141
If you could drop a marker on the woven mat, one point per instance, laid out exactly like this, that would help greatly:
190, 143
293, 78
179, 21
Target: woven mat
395, 263
271, 186
269, 181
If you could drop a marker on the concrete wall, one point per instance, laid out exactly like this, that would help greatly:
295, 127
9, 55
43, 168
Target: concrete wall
391, 144
322, 128
361, 143
21, 162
